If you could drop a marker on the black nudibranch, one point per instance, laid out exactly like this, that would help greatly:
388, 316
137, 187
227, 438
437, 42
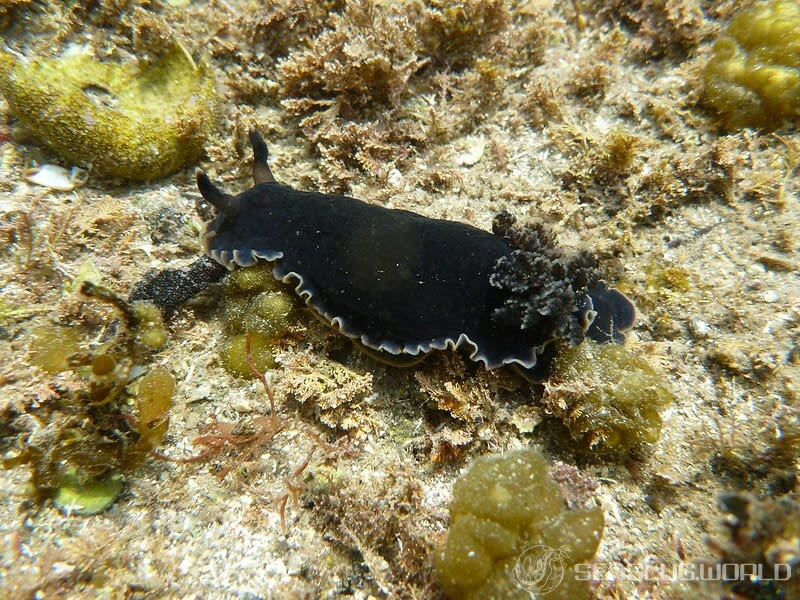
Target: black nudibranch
401, 285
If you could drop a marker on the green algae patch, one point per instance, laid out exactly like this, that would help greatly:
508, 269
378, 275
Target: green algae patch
150, 329
753, 77
52, 345
609, 398
153, 400
508, 519
233, 352
135, 122
78, 497
255, 305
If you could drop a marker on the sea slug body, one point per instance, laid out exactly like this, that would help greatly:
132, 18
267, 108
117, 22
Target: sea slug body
401, 285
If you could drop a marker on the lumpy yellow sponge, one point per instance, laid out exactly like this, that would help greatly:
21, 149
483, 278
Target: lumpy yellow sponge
507, 517
753, 77
137, 122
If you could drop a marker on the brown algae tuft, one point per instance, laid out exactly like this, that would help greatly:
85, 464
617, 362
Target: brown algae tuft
136, 122
100, 425
609, 398
753, 77
506, 510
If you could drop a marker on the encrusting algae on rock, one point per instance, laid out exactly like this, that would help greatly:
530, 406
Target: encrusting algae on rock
135, 122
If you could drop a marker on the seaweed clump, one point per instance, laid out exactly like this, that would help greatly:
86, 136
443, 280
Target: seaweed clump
341, 85
366, 57
8, 8
97, 426
371, 58
609, 399
505, 515
659, 29
380, 519
254, 304
753, 77
329, 391
135, 122
456, 32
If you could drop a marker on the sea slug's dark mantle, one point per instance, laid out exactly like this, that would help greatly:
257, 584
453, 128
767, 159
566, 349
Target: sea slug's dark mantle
401, 285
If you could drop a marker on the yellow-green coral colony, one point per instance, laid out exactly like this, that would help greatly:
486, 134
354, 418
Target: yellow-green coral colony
753, 77
609, 398
253, 302
125, 121
502, 507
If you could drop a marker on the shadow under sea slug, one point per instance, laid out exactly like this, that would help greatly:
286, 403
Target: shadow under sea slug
401, 285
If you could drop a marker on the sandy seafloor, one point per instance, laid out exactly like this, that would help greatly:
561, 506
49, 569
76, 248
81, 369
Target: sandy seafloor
698, 226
